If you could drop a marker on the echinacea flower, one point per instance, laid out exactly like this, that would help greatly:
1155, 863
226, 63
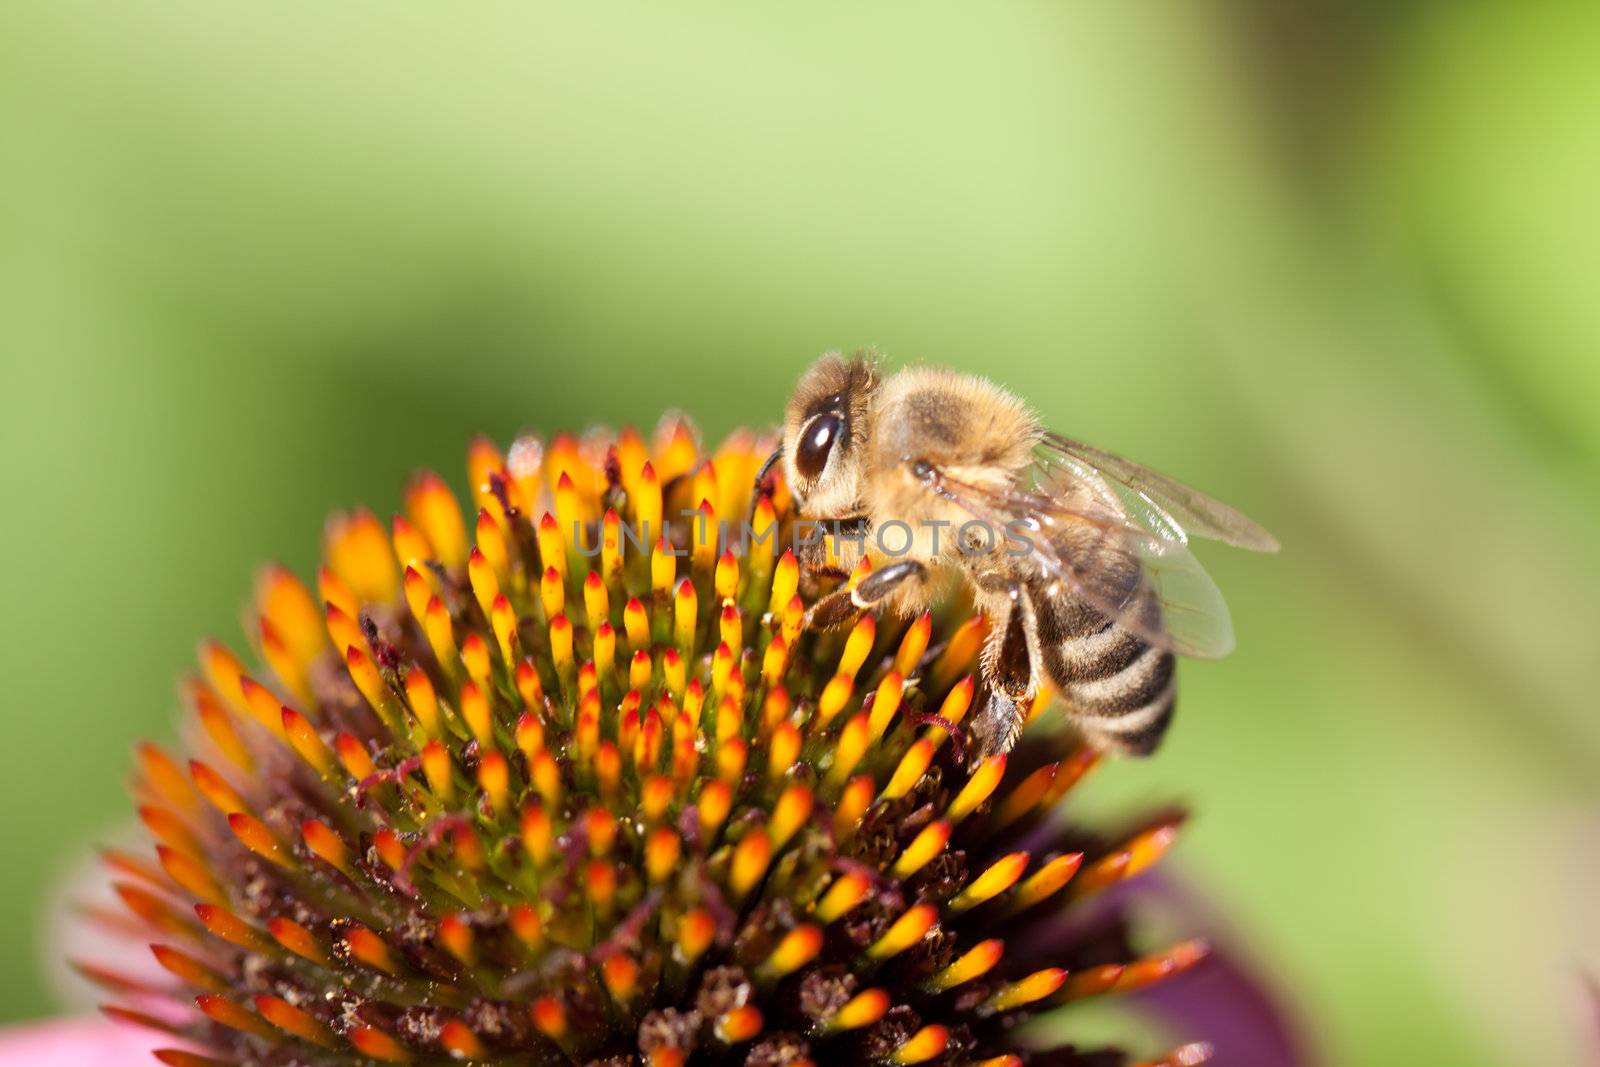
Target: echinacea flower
549, 786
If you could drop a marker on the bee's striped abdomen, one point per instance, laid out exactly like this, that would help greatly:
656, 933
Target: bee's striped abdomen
1120, 688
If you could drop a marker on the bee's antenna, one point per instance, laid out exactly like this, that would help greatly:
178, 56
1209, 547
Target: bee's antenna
766, 468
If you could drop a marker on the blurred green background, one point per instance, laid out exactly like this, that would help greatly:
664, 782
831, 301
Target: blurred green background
1333, 261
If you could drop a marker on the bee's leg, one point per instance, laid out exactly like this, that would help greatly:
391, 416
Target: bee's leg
842, 605
762, 485
1008, 666
996, 727
812, 552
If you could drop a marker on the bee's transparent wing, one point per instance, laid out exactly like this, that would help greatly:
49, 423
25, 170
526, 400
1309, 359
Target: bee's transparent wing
1140, 488
1135, 569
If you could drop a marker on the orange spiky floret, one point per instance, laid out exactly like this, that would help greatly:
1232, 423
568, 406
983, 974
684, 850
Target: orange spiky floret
584, 789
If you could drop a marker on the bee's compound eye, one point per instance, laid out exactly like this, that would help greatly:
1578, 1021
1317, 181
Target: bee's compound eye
816, 443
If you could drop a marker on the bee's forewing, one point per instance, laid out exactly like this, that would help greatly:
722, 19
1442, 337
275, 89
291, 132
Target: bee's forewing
1194, 512
1118, 555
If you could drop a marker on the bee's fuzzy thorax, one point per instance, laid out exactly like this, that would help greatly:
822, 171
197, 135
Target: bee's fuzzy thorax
956, 421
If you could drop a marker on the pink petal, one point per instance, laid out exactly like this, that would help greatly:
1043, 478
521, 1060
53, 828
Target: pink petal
82, 1042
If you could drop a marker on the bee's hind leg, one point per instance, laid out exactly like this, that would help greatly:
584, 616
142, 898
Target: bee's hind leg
844, 604
1009, 667
996, 727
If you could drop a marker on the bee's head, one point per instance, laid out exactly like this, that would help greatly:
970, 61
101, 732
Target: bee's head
824, 429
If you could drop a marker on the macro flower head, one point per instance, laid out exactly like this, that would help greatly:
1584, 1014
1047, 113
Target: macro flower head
562, 778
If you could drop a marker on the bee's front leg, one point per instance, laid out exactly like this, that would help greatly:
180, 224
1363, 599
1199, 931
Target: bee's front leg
811, 547
811, 537
842, 605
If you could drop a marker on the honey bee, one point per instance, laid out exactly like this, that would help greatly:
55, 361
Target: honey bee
1078, 557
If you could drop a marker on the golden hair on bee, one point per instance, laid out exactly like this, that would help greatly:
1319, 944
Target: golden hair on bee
1058, 540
